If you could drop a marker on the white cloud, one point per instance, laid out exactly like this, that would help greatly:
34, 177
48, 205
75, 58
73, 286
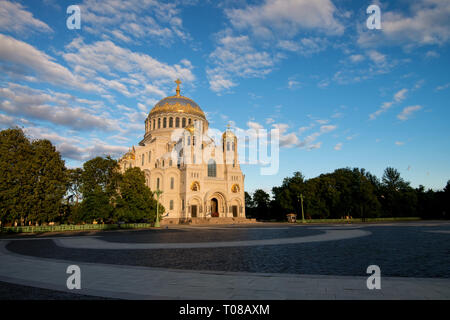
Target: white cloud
132, 74
355, 58
327, 128
255, 125
407, 112
287, 17
76, 148
7, 121
443, 87
14, 18
314, 146
399, 143
134, 20
399, 96
26, 62
377, 57
304, 46
236, 57
294, 84
338, 146
308, 141
427, 22
432, 54
107, 57
57, 108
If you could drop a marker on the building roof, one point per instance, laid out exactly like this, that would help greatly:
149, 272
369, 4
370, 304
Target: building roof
177, 104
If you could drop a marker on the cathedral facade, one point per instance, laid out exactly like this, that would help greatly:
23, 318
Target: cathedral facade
200, 178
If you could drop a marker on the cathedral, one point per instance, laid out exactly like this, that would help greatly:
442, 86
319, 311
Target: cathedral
199, 175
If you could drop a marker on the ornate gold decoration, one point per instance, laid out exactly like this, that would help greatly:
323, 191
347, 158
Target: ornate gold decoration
228, 134
130, 155
178, 82
177, 107
235, 188
190, 128
195, 186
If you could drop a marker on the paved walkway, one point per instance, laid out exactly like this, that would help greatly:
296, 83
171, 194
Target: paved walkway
95, 243
131, 282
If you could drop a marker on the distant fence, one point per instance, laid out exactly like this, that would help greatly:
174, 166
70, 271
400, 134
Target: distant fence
74, 227
360, 220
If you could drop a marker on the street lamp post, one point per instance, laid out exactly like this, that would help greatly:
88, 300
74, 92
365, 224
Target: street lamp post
158, 193
303, 215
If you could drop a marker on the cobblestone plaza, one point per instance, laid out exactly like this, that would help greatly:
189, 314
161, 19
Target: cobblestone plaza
256, 261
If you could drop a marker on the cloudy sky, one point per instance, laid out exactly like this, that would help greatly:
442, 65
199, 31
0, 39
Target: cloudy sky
341, 94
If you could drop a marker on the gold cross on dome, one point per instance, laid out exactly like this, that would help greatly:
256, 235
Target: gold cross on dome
178, 82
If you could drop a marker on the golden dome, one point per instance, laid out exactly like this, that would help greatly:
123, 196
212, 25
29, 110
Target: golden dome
228, 134
177, 104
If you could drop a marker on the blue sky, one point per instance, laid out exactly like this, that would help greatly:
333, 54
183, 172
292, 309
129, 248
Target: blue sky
341, 94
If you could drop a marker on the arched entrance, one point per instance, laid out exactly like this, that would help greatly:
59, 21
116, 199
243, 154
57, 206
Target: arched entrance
214, 207
194, 207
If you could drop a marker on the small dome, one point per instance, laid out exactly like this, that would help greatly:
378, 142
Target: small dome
177, 104
228, 134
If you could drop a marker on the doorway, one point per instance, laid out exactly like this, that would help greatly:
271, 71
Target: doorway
194, 211
214, 207
235, 211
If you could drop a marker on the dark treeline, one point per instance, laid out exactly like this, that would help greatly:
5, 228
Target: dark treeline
36, 187
349, 192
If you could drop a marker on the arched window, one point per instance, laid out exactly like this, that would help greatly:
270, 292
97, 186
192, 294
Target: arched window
157, 183
159, 123
153, 124
164, 122
171, 204
183, 123
190, 120
228, 146
170, 122
211, 168
177, 122
149, 156
172, 183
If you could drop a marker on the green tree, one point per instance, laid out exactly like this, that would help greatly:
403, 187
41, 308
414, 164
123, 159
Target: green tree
287, 197
74, 177
100, 178
261, 200
16, 189
32, 180
74, 195
398, 198
136, 201
49, 181
392, 180
249, 205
